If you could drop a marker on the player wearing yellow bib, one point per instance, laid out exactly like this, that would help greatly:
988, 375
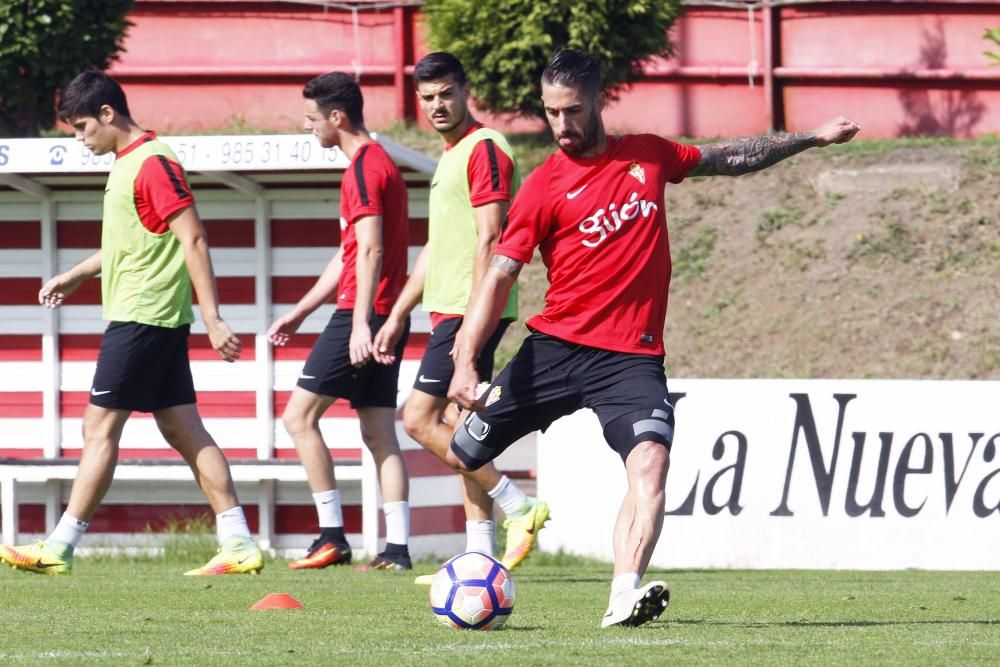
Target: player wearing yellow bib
153, 248
472, 187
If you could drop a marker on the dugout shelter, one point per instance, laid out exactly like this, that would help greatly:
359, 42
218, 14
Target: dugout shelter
271, 207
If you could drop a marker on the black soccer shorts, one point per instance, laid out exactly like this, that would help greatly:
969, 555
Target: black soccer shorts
549, 378
437, 366
143, 367
328, 370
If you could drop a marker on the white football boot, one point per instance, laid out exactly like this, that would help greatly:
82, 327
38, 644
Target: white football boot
638, 606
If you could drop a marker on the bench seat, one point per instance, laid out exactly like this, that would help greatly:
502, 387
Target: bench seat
266, 472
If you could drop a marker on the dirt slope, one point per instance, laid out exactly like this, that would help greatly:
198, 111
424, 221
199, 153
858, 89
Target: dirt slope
878, 260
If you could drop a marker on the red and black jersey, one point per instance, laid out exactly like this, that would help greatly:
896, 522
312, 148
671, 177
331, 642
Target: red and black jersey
600, 225
372, 185
161, 189
490, 171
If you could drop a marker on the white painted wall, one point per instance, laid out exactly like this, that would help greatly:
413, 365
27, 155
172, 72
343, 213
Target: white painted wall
781, 521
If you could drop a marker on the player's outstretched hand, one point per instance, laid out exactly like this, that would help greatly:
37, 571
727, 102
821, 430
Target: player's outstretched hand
384, 345
840, 130
464, 388
223, 340
360, 346
283, 328
55, 291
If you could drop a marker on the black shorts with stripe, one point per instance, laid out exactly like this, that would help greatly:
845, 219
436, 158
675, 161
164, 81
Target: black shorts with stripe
143, 367
549, 378
328, 370
437, 366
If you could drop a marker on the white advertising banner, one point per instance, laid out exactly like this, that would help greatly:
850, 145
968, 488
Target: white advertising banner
852, 474
195, 153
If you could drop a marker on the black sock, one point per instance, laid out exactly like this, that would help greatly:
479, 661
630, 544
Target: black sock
335, 535
396, 550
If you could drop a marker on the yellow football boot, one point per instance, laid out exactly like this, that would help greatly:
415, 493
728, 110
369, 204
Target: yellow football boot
237, 555
522, 530
38, 558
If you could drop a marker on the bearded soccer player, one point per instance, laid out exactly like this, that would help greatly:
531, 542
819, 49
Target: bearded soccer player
596, 210
470, 191
153, 249
366, 275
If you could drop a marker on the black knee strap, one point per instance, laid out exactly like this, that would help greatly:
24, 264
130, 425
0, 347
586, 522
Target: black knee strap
627, 431
470, 442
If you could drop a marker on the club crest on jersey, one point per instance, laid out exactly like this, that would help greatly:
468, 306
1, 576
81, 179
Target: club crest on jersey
494, 396
636, 171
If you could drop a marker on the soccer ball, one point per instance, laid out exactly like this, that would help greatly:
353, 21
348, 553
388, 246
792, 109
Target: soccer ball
472, 592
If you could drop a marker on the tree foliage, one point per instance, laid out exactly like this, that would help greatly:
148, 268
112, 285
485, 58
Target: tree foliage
505, 44
43, 45
993, 34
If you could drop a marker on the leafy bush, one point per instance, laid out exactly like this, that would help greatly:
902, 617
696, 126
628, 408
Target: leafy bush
43, 45
505, 44
993, 34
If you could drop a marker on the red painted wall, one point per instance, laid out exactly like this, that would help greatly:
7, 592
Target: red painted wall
900, 68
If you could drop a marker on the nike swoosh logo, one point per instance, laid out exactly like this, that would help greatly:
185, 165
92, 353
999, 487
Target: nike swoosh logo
572, 195
42, 565
325, 502
427, 380
306, 377
433, 184
94, 392
245, 559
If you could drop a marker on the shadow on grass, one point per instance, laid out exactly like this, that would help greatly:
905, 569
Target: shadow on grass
825, 624
550, 578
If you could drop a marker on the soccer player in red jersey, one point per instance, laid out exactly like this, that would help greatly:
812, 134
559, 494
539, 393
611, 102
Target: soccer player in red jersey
366, 275
595, 209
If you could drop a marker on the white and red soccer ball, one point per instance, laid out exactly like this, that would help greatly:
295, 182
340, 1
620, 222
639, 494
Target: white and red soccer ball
472, 592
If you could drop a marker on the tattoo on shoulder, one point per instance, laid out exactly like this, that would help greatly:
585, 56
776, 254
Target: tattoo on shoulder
745, 155
511, 267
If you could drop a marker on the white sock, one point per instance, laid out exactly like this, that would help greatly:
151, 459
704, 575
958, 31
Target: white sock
69, 530
624, 582
231, 523
479, 536
397, 521
511, 499
328, 509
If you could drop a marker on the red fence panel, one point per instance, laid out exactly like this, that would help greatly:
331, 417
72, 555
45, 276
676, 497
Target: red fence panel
901, 68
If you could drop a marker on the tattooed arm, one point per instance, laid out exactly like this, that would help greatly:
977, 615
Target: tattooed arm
481, 318
742, 156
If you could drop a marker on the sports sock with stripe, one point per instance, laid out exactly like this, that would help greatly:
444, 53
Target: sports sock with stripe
512, 500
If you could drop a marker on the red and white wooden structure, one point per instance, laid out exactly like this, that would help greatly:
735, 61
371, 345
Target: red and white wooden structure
740, 67
270, 205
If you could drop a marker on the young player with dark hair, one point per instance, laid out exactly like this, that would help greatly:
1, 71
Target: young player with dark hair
153, 249
470, 191
366, 275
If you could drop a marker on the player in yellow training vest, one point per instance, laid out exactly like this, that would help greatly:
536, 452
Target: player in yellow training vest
153, 248
472, 187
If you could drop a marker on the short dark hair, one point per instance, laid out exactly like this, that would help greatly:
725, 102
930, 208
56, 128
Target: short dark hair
88, 92
337, 90
438, 65
573, 68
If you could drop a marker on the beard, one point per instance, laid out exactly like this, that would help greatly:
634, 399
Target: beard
586, 140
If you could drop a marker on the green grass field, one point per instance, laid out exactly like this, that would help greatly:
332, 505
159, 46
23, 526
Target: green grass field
142, 611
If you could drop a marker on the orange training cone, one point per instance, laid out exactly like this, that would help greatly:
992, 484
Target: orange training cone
277, 601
